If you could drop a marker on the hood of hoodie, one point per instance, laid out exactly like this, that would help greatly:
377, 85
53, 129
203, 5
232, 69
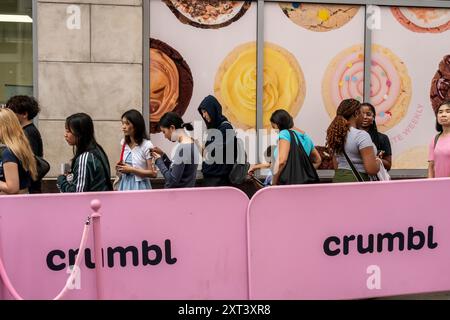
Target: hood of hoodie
214, 109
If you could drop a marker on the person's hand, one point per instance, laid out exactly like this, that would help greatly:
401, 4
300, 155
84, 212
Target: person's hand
251, 171
155, 155
123, 168
157, 150
381, 154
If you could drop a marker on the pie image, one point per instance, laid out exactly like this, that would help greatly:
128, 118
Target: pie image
319, 17
423, 20
390, 84
208, 14
171, 82
235, 84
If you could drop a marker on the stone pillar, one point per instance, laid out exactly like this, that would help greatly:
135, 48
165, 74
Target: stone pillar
90, 60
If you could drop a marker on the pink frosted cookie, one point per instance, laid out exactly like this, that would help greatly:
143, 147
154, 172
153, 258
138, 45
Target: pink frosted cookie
423, 20
390, 84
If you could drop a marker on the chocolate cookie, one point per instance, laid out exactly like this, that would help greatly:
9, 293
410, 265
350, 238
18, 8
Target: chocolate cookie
440, 85
208, 14
171, 82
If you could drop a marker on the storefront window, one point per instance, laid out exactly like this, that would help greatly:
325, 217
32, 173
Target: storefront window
409, 79
198, 49
16, 48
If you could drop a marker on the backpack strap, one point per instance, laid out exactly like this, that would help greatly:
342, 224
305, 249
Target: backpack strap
355, 172
436, 139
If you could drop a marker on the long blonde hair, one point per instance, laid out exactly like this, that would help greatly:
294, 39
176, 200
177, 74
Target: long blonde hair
12, 135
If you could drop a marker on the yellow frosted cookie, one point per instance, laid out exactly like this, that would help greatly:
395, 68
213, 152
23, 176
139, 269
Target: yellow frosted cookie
235, 84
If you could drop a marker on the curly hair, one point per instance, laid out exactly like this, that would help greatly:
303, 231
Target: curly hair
338, 130
24, 104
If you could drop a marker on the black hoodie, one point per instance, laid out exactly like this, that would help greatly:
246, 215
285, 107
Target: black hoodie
218, 122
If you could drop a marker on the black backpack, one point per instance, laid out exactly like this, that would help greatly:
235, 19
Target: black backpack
42, 166
239, 172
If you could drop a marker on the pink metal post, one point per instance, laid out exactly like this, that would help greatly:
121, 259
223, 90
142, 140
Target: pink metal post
98, 256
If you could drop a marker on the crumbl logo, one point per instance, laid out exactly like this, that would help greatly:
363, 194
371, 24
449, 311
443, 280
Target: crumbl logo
410, 240
150, 255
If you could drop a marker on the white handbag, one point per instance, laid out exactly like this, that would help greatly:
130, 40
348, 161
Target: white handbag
383, 174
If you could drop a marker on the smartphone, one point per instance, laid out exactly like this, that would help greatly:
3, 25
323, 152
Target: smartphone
65, 168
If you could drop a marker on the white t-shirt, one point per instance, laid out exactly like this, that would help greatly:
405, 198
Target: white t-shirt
140, 154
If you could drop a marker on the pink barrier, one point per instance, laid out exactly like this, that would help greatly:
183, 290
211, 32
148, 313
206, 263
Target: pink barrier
178, 244
349, 241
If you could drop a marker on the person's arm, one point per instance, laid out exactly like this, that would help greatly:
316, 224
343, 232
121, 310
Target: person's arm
256, 167
315, 158
387, 162
283, 153
171, 174
386, 154
431, 170
371, 165
12, 182
80, 176
143, 173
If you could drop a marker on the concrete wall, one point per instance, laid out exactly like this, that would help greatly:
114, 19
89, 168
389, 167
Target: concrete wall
96, 68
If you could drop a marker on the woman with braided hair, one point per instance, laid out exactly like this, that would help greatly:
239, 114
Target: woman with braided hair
346, 141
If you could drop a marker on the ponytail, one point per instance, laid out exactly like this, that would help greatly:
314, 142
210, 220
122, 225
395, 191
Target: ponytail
338, 130
173, 119
337, 134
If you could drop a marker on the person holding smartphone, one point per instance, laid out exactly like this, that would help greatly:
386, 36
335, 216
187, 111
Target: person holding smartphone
381, 141
137, 165
181, 170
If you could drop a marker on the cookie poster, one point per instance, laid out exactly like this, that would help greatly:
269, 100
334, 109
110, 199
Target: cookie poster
313, 59
326, 42
421, 80
201, 48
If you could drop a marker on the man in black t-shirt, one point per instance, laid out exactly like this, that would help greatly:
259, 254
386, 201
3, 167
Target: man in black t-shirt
26, 109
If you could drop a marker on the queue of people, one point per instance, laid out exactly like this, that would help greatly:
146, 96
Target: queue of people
359, 150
